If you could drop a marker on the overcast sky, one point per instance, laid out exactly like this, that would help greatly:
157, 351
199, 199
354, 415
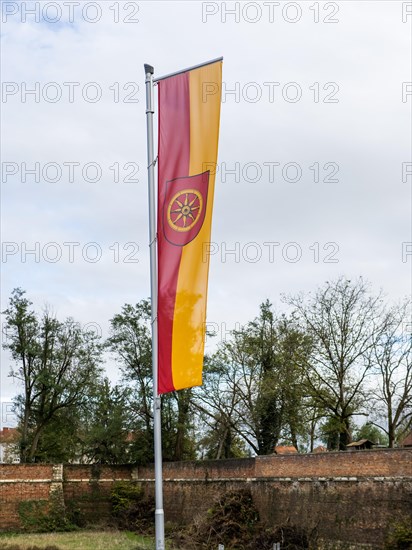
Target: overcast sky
314, 174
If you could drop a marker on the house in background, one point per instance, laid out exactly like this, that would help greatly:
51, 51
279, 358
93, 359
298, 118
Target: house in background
360, 445
8, 446
407, 441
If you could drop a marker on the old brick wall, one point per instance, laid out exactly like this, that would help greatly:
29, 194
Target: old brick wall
205, 469
350, 497
87, 488
19, 483
377, 463
347, 496
340, 510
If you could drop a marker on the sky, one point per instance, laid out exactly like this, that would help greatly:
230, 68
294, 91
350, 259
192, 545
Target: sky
314, 171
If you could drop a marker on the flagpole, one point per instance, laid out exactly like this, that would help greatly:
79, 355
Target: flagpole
159, 513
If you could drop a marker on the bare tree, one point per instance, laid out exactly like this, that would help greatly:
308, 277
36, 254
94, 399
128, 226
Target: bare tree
393, 362
344, 320
217, 401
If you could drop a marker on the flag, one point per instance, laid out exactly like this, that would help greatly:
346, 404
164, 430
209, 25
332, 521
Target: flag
189, 115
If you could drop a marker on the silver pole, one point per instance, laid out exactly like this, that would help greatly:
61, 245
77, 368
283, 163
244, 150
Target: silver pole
159, 513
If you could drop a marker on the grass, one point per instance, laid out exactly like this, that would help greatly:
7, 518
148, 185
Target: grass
80, 540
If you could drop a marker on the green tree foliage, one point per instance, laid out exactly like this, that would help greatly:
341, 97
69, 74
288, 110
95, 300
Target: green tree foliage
107, 435
287, 379
217, 405
61, 439
177, 426
130, 341
330, 431
56, 362
253, 384
371, 432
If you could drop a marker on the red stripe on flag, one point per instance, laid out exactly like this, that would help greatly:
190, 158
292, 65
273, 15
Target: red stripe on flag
173, 154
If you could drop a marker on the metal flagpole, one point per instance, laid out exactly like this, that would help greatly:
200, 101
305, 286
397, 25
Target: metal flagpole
159, 513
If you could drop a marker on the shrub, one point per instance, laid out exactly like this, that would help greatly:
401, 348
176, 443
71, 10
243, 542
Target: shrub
41, 516
399, 536
131, 509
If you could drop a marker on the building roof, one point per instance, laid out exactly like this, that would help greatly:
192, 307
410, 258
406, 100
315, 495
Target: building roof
9, 435
320, 449
360, 443
285, 450
407, 442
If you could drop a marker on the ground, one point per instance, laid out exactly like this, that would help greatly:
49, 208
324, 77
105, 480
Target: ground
83, 540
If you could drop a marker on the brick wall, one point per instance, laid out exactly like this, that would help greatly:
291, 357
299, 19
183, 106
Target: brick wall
379, 463
350, 496
206, 469
88, 488
383, 462
19, 483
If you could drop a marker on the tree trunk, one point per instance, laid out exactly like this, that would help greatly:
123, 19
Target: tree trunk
35, 443
344, 436
391, 436
182, 421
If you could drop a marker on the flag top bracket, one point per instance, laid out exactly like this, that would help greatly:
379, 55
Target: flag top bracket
185, 70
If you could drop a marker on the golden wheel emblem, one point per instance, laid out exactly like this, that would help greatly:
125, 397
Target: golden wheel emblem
184, 209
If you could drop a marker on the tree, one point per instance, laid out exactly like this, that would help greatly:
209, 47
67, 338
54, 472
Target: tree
177, 425
56, 362
373, 433
331, 428
217, 402
254, 387
343, 320
107, 428
61, 439
393, 364
130, 341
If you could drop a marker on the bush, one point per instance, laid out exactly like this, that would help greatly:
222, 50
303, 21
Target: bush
42, 516
399, 537
131, 509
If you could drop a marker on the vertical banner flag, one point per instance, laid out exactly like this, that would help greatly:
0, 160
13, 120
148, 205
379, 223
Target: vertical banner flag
189, 114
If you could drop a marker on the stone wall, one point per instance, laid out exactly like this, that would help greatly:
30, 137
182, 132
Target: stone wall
350, 497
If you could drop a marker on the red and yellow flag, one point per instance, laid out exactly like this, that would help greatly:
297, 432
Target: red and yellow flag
189, 114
